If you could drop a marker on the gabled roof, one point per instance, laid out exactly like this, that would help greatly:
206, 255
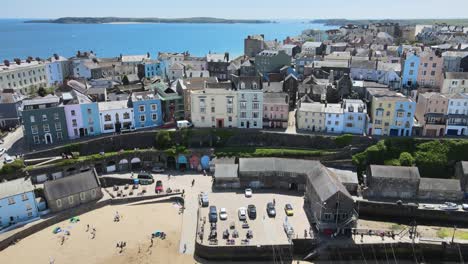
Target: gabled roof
70, 185
381, 171
456, 75
431, 184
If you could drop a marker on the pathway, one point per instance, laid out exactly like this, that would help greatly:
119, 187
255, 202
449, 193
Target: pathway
291, 123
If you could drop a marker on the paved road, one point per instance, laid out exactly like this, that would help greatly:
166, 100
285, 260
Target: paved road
291, 123
12, 144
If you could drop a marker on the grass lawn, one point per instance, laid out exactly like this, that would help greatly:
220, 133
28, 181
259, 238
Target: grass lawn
448, 232
249, 152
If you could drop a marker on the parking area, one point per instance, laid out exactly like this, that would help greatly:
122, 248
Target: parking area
265, 230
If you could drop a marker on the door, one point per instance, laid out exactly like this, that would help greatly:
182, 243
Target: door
248, 124
48, 138
220, 123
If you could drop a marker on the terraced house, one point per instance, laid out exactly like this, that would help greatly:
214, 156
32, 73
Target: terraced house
24, 76
146, 109
44, 121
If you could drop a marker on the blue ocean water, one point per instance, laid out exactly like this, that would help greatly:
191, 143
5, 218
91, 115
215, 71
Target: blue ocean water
18, 39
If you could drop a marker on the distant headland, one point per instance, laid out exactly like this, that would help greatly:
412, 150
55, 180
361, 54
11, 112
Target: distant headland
123, 20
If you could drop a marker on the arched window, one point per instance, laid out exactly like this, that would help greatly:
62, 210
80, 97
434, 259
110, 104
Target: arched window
242, 85
254, 85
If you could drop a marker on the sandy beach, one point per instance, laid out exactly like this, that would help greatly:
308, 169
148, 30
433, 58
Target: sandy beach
135, 228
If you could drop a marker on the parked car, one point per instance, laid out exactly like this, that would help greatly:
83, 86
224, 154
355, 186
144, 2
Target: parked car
449, 206
8, 159
184, 124
429, 206
288, 209
242, 214
2, 150
465, 207
213, 214
271, 211
159, 187
145, 178
248, 193
222, 214
157, 169
204, 200
252, 211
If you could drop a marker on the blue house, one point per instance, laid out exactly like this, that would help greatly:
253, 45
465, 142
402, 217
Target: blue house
17, 202
91, 119
403, 118
150, 68
146, 109
410, 71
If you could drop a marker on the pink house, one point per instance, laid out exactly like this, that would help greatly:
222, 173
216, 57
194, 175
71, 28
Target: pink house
431, 110
275, 110
431, 69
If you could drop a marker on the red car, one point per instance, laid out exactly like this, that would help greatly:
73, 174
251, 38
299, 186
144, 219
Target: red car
159, 187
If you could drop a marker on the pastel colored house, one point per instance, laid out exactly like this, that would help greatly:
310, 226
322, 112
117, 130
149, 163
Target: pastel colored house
431, 69
115, 116
402, 124
150, 68
269, 61
17, 202
90, 118
214, 107
355, 116
250, 109
275, 110
364, 70
410, 71
311, 116
334, 118
57, 69
455, 82
431, 111
147, 110
457, 115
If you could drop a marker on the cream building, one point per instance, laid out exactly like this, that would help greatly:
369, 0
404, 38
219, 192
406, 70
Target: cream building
311, 116
214, 107
455, 82
23, 76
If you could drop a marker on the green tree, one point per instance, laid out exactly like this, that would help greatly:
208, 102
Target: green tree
125, 80
406, 159
41, 92
163, 140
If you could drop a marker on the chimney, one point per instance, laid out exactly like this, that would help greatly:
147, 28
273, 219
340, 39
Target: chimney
56, 56
7, 63
18, 61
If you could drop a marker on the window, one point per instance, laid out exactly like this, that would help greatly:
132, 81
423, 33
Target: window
411, 72
212, 109
142, 118
327, 216
89, 111
400, 114
432, 73
230, 118
154, 107
70, 200
59, 135
154, 117
203, 119
141, 108
56, 116
74, 122
378, 122
34, 129
243, 114
412, 64
91, 129
46, 128
425, 65
434, 65
107, 118
73, 113
28, 207
44, 117
83, 196
202, 110
337, 123
11, 200
255, 114
126, 115
108, 126
24, 197
388, 113
36, 140
243, 105
58, 127
256, 106
32, 119
59, 203
93, 193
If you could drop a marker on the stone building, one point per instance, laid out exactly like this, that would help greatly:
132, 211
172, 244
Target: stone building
392, 182
10, 107
218, 65
269, 61
72, 191
253, 45
440, 189
461, 172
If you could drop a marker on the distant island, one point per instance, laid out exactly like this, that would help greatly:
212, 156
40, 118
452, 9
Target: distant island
107, 20
342, 22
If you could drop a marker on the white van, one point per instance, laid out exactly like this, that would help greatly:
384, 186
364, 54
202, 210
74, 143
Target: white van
183, 124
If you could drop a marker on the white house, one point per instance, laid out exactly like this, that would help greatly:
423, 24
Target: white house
23, 76
57, 68
355, 116
455, 82
311, 116
115, 116
214, 107
457, 115
312, 48
334, 118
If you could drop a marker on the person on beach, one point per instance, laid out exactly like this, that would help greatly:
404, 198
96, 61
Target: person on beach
87, 227
193, 182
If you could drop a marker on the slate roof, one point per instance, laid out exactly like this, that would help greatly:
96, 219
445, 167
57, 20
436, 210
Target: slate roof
363, 64
381, 171
14, 187
224, 170
456, 75
275, 98
112, 105
431, 184
272, 87
312, 107
70, 185
48, 99
324, 182
464, 167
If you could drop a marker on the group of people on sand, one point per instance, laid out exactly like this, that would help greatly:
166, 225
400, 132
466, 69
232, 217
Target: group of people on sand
121, 245
93, 231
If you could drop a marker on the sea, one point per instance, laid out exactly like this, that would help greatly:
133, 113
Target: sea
20, 40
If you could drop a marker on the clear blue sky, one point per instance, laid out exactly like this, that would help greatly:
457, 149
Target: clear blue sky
353, 9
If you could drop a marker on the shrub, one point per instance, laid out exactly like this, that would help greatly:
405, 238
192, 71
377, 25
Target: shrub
344, 140
406, 159
392, 162
16, 165
163, 139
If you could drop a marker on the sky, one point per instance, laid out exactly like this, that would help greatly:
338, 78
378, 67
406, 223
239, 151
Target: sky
240, 9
